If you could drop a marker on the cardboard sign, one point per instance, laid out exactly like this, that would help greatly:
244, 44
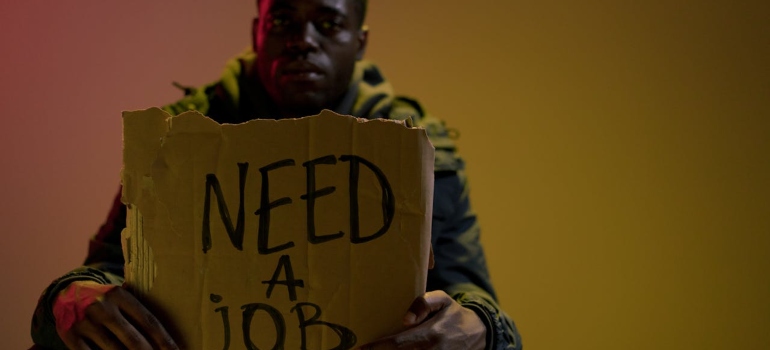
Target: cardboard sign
308, 233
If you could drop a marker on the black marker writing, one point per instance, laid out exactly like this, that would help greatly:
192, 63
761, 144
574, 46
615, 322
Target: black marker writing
284, 263
311, 196
266, 206
280, 325
388, 202
235, 234
225, 318
235, 231
347, 337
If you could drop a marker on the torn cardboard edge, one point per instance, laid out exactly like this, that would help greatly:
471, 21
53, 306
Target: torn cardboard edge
168, 166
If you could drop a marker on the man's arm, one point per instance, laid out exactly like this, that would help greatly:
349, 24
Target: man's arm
104, 265
460, 310
87, 305
460, 265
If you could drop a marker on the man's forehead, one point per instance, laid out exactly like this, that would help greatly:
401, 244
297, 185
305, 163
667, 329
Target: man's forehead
305, 5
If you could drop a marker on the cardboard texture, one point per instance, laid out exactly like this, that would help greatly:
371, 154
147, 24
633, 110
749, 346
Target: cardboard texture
309, 245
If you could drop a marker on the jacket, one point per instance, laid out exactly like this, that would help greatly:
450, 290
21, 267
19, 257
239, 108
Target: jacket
460, 266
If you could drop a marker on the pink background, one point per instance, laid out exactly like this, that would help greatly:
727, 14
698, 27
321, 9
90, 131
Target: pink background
618, 151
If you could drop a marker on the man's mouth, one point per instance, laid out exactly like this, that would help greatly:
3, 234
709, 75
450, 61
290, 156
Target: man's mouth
301, 71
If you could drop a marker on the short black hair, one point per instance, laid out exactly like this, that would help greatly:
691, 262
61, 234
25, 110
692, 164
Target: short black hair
360, 7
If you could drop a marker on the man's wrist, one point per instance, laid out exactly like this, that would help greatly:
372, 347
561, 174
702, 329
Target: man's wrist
480, 311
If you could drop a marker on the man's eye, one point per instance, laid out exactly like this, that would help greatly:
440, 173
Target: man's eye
330, 25
278, 22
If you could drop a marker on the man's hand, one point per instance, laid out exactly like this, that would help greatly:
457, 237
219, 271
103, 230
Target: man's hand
107, 316
437, 322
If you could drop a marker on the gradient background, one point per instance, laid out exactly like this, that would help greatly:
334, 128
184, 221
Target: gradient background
618, 151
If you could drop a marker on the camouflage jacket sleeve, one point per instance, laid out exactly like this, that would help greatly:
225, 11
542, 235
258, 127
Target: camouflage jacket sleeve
460, 265
104, 264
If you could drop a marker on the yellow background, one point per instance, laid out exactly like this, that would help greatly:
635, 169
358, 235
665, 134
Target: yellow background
618, 151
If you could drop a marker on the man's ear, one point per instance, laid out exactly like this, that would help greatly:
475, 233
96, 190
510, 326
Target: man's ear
254, 26
363, 39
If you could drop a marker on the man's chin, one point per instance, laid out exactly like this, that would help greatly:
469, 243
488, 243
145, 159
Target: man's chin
301, 106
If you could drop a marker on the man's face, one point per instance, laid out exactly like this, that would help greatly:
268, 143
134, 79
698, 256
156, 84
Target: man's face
306, 52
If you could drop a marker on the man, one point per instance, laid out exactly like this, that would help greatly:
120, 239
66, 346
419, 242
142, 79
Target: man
306, 56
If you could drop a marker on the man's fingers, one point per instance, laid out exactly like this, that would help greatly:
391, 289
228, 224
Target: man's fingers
382, 344
99, 336
423, 306
415, 338
436, 321
128, 334
79, 344
143, 318
74, 341
71, 303
108, 316
113, 320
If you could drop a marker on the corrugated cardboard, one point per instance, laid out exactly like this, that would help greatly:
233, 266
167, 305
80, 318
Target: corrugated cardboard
228, 290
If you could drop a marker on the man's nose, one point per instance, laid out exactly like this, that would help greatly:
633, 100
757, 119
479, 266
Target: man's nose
303, 39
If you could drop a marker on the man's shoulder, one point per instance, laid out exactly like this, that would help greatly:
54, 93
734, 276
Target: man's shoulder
193, 99
219, 98
442, 137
